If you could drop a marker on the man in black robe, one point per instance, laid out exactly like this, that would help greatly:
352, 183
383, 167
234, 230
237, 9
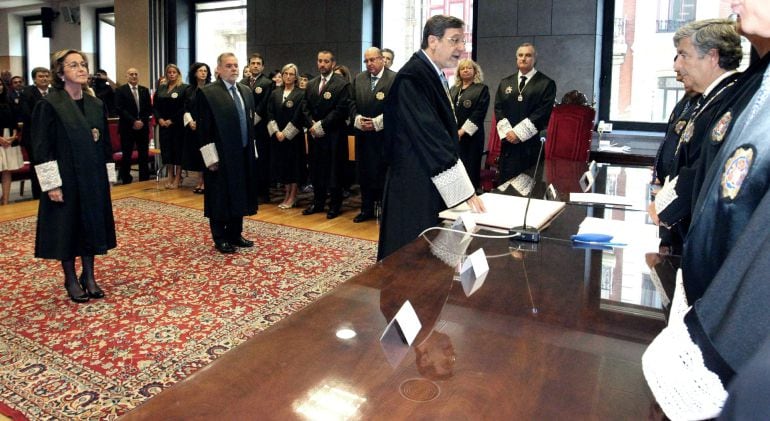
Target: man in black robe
523, 105
132, 102
261, 86
327, 99
425, 174
370, 89
226, 133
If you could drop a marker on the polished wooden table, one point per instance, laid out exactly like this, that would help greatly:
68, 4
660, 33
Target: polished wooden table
554, 332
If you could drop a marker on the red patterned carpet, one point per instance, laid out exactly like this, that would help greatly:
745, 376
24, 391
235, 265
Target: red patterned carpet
173, 305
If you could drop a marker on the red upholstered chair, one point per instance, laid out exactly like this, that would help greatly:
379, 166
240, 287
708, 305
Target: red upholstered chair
569, 132
489, 172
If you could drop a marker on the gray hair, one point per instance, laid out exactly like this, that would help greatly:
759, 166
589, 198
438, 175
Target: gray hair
291, 66
717, 34
437, 25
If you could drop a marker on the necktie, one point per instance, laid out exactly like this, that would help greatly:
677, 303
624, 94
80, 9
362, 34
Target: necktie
374, 82
322, 85
136, 96
45, 93
241, 116
522, 83
445, 83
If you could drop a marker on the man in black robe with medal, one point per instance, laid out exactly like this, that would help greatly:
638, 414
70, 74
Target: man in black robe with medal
261, 86
425, 173
523, 105
370, 89
226, 133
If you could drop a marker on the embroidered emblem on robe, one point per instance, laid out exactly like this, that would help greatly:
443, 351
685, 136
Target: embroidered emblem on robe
688, 130
508, 90
175, 95
380, 96
467, 103
289, 103
719, 130
258, 90
679, 126
327, 95
95, 133
735, 171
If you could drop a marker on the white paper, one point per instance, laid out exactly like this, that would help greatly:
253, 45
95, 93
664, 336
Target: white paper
407, 322
504, 211
599, 198
474, 271
586, 180
465, 222
637, 235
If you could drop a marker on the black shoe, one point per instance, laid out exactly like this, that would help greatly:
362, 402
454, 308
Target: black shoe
313, 209
94, 291
75, 292
242, 242
333, 213
363, 216
225, 247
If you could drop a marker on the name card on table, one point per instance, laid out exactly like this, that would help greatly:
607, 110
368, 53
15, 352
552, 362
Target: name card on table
465, 222
586, 180
400, 333
473, 272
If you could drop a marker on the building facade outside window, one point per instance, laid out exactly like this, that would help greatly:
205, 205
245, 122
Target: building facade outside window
213, 38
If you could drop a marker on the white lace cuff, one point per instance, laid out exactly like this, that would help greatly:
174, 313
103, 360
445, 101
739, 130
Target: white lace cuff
112, 176
453, 185
257, 119
210, 154
677, 375
679, 304
272, 128
357, 122
666, 196
379, 123
469, 127
290, 131
48, 175
318, 128
503, 127
525, 130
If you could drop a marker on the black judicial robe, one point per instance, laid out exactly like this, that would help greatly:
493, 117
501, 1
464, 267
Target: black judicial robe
471, 105
539, 95
664, 159
286, 157
261, 88
420, 142
370, 147
169, 105
231, 190
80, 144
191, 154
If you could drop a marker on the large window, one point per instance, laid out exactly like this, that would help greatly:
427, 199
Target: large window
37, 49
406, 18
641, 89
220, 27
106, 44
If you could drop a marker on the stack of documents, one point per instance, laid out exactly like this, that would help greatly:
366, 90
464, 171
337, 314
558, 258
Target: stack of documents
507, 212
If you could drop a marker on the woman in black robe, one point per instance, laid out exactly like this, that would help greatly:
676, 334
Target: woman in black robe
284, 114
72, 151
168, 107
470, 97
198, 77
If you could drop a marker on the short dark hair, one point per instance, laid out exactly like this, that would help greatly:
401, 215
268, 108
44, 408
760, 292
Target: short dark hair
437, 25
37, 70
328, 52
257, 55
192, 80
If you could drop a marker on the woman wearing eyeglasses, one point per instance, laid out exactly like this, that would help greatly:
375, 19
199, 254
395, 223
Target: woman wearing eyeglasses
72, 151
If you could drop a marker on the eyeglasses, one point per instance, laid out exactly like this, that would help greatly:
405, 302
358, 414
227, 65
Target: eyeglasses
74, 65
372, 60
455, 41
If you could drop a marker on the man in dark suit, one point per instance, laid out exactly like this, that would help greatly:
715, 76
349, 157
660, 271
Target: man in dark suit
370, 90
523, 105
425, 173
15, 96
225, 130
327, 97
132, 104
261, 86
30, 97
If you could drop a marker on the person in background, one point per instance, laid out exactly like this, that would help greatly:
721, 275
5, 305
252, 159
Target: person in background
387, 57
370, 90
523, 105
425, 173
104, 88
132, 103
168, 106
285, 120
72, 150
261, 86
198, 77
275, 76
33, 94
470, 97
10, 152
15, 96
303, 80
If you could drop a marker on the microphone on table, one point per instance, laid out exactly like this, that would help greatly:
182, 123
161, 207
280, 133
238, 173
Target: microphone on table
524, 232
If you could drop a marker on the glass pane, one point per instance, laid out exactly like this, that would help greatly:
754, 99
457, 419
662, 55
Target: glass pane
643, 53
38, 48
214, 37
107, 44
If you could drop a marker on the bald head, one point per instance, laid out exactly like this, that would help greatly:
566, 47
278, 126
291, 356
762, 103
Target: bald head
132, 76
373, 60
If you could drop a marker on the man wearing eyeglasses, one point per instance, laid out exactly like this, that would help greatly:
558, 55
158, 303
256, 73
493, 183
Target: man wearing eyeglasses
425, 174
523, 105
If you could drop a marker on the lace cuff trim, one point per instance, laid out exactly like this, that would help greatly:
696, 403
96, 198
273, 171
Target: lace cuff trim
503, 127
453, 185
210, 154
272, 128
677, 375
112, 176
470, 128
666, 196
525, 130
48, 175
379, 123
290, 131
318, 128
